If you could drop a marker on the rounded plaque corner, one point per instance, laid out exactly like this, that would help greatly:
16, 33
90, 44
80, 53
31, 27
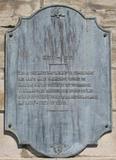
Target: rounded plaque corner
98, 25
107, 129
34, 151
10, 132
9, 33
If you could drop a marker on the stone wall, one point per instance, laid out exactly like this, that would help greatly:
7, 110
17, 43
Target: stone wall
105, 12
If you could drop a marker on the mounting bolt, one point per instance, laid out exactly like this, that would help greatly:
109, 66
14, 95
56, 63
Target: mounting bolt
106, 126
105, 35
10, 125
10, 35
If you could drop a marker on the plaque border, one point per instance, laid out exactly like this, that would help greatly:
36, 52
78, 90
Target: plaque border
8, 131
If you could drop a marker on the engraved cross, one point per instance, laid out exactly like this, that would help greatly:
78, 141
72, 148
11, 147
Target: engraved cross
58, 15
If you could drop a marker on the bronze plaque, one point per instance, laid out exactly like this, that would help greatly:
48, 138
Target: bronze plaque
58, 87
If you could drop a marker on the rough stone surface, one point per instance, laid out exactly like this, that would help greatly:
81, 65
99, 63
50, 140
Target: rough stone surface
79, 5
24, 9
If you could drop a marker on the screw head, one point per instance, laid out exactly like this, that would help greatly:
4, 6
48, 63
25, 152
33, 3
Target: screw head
10, 35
